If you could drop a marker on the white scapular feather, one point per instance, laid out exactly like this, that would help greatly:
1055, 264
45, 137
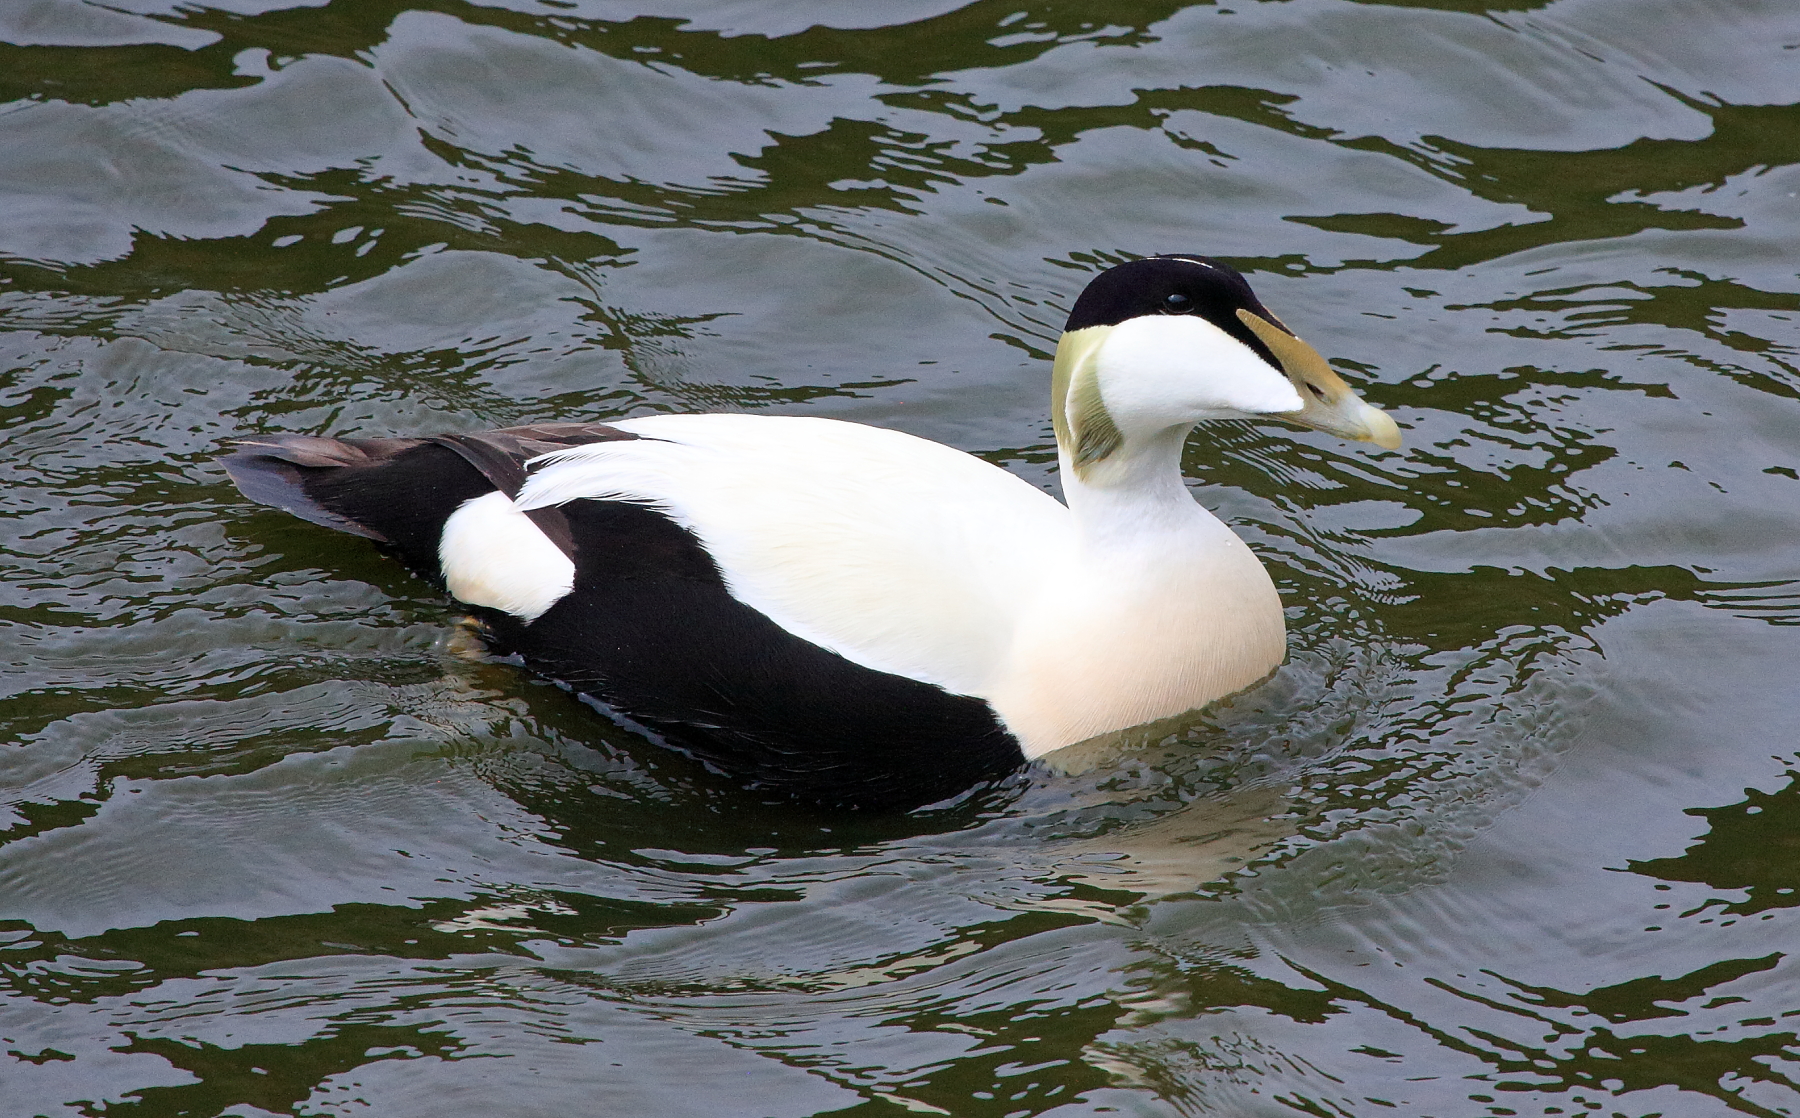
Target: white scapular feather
897, 553
493, 555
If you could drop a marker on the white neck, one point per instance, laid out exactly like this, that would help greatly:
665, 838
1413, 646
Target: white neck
1138, 489
1159, 608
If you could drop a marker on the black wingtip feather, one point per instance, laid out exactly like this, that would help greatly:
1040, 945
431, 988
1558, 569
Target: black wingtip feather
267, 473
400, 491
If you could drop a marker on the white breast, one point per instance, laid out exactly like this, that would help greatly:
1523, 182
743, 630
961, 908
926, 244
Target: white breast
1137, 635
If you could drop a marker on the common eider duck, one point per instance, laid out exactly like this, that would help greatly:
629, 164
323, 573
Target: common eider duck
850, 615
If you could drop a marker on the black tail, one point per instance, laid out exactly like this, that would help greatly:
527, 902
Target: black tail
275, 471
400, 491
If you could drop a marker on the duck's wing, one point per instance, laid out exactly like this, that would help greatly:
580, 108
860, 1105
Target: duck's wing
812, 605
899, 554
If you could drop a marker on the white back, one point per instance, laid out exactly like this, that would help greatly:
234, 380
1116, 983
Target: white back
897, 553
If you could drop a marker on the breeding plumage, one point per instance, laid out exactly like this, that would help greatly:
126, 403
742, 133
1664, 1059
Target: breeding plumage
853, 615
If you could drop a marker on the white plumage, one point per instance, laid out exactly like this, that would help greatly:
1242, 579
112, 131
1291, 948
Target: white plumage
909, 557
492, 555
897, 553
838, 584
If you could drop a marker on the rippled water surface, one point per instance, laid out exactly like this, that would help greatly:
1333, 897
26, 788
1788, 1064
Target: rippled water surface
1515, 832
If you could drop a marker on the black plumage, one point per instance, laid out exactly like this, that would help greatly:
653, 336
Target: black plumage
1172, 284
650, 629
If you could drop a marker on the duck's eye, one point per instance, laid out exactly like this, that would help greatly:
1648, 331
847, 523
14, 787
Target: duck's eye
1178, 303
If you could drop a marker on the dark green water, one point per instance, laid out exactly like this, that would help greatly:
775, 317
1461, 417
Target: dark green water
1516, 831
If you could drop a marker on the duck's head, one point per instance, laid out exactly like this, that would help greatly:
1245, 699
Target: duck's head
1170, 341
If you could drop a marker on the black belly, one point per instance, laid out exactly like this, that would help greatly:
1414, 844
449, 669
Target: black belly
651, 631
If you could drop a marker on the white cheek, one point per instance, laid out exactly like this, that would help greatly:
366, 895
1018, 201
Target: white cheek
1173, 368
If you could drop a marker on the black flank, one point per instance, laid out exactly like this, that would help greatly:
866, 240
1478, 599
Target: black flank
650, 629
652, 632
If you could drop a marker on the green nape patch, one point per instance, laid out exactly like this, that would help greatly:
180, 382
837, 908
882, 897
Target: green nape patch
1083, 426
